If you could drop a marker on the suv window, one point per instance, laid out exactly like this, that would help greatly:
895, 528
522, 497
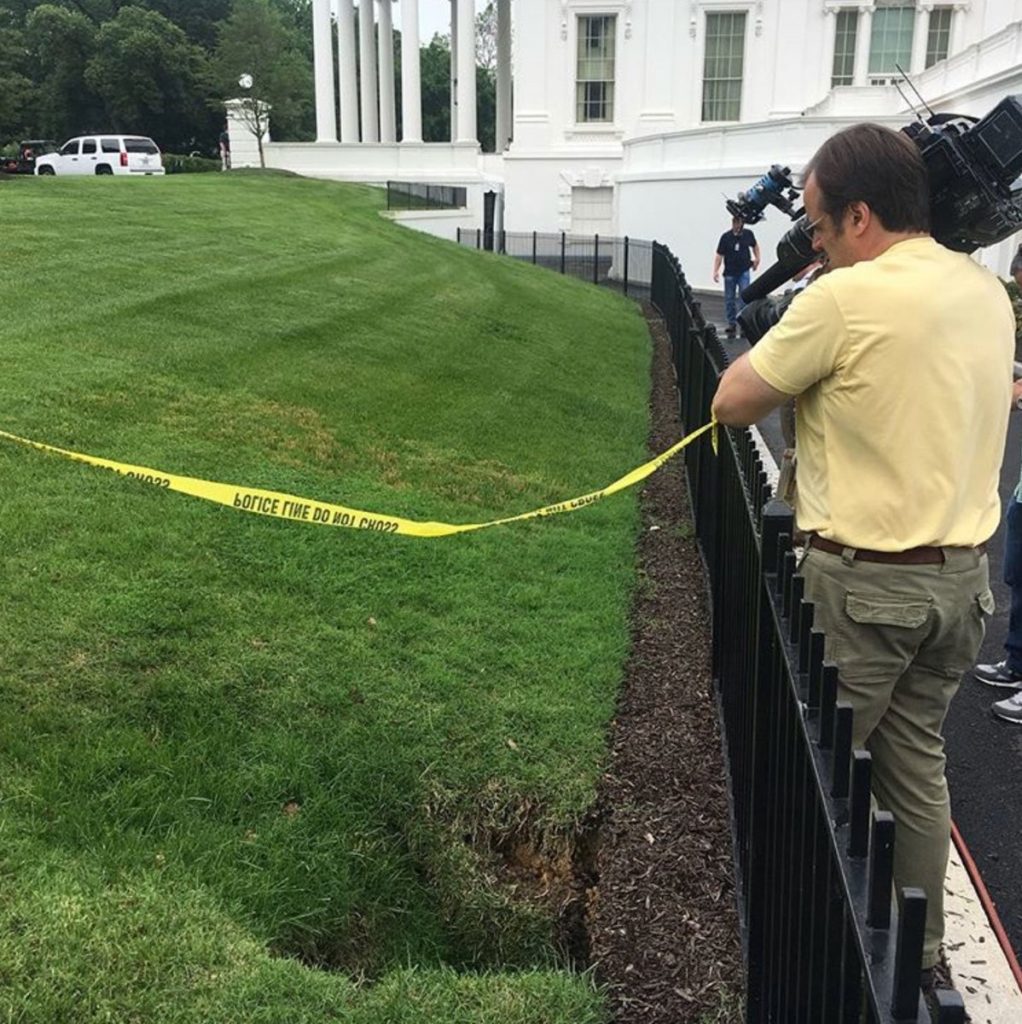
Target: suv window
140, 146
70, 148
88, 145
110, 145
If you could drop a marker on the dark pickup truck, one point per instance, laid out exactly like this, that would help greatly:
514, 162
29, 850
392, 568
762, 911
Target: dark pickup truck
24, 162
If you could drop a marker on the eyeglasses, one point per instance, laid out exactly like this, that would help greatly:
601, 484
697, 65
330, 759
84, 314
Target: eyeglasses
813, 227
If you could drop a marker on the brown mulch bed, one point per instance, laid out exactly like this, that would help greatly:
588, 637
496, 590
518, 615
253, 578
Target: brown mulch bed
662, 924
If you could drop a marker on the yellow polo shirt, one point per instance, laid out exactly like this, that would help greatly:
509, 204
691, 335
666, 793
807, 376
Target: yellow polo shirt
902, 365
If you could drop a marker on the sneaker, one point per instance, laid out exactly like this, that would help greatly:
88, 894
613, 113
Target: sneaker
730, 331
1010, 710
999, 674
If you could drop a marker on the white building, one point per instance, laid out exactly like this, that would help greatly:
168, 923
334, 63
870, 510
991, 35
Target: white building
637, 117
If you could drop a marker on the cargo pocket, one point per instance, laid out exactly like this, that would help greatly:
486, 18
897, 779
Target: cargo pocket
884, 610
985, 600
880, 636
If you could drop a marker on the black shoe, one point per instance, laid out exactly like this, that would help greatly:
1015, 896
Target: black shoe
730, 332
999, 674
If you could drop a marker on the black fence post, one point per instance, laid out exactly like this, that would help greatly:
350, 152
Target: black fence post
596, 259
534, 248
881, 870
479, 238
862, 774
458, 235
563, 241
842, 750
950, 1007
909, 955
626, 264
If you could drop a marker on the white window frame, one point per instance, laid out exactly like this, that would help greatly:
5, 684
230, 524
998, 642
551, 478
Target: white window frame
949, 8
600, 122
846, 9
571, 11
701, 8
891, 75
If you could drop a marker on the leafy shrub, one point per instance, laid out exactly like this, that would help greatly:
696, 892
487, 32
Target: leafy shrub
175, 163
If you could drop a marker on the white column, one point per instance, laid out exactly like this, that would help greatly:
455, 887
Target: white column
411, 81
454, 69
323, 69
957, 41
921, 30
829, 41
385, 41
863, 32
503, 75
347, 70
367, 71
466, 72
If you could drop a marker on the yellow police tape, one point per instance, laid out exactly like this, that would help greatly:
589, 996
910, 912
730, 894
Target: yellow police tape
322, 513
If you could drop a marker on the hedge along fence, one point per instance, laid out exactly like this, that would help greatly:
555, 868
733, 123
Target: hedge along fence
176, 163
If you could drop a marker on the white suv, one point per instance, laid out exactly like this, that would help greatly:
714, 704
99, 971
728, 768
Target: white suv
103, 154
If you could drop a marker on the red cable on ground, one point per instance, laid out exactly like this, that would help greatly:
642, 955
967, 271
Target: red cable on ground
987, 903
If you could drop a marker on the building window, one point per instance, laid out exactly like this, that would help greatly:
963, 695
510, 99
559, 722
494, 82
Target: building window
844, 48
594, 79
891, 39
938, 39
722, 67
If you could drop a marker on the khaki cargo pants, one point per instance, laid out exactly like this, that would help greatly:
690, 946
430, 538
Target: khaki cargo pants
902, 636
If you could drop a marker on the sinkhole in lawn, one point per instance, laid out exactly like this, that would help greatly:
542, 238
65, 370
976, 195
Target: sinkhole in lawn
507, 899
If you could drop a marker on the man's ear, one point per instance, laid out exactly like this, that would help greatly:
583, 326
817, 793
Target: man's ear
859, 216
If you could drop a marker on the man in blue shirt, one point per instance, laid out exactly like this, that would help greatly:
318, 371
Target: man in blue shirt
739, 250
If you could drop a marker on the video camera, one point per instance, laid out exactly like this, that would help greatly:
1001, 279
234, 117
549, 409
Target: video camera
975, 199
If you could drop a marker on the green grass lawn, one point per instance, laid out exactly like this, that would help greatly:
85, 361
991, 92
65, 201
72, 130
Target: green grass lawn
253, 770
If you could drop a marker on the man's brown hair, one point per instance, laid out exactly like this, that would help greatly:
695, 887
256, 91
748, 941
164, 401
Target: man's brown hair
879, 167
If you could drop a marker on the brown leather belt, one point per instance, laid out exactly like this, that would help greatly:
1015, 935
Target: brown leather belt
913, 556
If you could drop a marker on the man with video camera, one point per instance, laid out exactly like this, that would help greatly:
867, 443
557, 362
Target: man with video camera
901, 358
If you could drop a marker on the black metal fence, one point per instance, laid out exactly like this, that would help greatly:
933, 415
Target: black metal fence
624, 264
823, 942
408, 195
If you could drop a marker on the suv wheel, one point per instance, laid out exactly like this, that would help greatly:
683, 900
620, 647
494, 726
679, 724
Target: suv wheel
46, 169
104, 169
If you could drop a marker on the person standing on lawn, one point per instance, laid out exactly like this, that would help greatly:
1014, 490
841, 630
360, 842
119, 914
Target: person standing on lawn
901, 422
739, 251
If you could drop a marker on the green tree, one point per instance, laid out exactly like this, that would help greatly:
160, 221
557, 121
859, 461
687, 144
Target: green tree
62, 43
198, 19
150, 78
17, 91
254, 40
435, 83
486, 37
435, 73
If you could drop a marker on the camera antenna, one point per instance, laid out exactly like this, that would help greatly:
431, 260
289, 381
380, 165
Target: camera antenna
908, 81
